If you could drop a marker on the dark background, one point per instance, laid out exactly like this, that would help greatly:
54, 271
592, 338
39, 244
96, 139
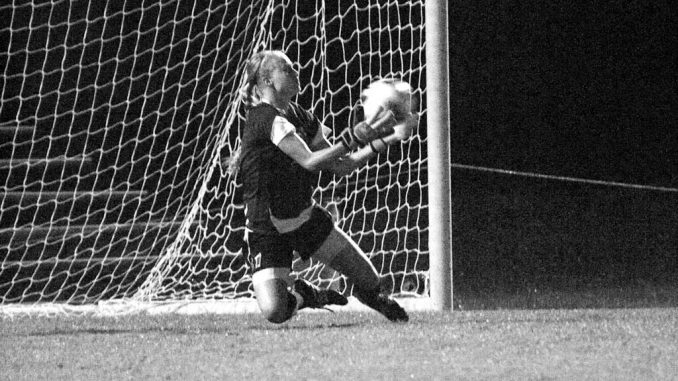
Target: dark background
580, 89
585, 89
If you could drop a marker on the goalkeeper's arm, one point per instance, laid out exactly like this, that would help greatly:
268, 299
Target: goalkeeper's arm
324, 156
344, 165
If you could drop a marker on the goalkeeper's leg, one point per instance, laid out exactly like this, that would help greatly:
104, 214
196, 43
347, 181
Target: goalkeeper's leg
342, 254
279, 298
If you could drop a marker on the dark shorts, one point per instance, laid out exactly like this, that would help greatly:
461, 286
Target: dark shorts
266, 250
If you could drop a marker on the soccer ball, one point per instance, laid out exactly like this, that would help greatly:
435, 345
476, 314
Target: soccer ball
387, 94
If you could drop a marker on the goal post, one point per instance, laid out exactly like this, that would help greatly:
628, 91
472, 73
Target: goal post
439, 177
118, 120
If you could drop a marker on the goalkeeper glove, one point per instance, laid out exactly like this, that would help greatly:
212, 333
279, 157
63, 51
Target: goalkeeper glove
364, 132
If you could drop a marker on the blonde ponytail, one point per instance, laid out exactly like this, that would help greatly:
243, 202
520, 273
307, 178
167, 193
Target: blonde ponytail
249, 92
249, 95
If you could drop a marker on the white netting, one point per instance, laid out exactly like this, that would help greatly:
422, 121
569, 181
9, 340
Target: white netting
118, 121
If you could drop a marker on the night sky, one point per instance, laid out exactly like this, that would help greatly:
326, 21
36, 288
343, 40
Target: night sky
584, 90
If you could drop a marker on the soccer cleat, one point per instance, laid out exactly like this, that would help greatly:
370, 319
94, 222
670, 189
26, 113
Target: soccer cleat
390, 308
381, 303
317, 298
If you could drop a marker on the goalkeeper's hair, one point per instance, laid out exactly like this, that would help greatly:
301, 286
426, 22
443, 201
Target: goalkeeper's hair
257, 68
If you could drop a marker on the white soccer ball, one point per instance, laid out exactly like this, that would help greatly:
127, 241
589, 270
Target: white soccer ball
387, 94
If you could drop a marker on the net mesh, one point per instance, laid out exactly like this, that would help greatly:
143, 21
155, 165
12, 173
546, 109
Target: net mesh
118, 121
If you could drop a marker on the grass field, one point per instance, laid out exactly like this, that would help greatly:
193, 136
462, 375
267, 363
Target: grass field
609, 344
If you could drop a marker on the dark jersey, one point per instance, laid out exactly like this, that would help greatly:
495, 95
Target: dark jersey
273, 183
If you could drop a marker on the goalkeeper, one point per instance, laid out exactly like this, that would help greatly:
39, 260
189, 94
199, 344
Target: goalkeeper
283, 149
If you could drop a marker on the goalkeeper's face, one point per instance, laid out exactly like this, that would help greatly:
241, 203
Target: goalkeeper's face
284, 78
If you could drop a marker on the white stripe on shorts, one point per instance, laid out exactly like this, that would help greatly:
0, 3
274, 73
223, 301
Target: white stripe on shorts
286, 225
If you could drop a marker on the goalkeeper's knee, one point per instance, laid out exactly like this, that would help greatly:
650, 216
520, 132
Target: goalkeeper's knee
281, 310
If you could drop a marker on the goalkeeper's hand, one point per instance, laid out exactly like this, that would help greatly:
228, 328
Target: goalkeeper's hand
379, 126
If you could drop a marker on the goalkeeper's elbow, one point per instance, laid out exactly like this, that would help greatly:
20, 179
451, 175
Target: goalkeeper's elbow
311, 166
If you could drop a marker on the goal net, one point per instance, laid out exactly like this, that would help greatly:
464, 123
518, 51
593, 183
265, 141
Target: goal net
118, 121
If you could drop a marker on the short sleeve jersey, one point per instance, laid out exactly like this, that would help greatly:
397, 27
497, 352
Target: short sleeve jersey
273, 183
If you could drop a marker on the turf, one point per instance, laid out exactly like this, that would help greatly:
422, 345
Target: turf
500, 344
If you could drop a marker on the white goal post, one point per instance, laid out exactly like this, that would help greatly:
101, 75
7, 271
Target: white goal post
439, 160
118, 118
